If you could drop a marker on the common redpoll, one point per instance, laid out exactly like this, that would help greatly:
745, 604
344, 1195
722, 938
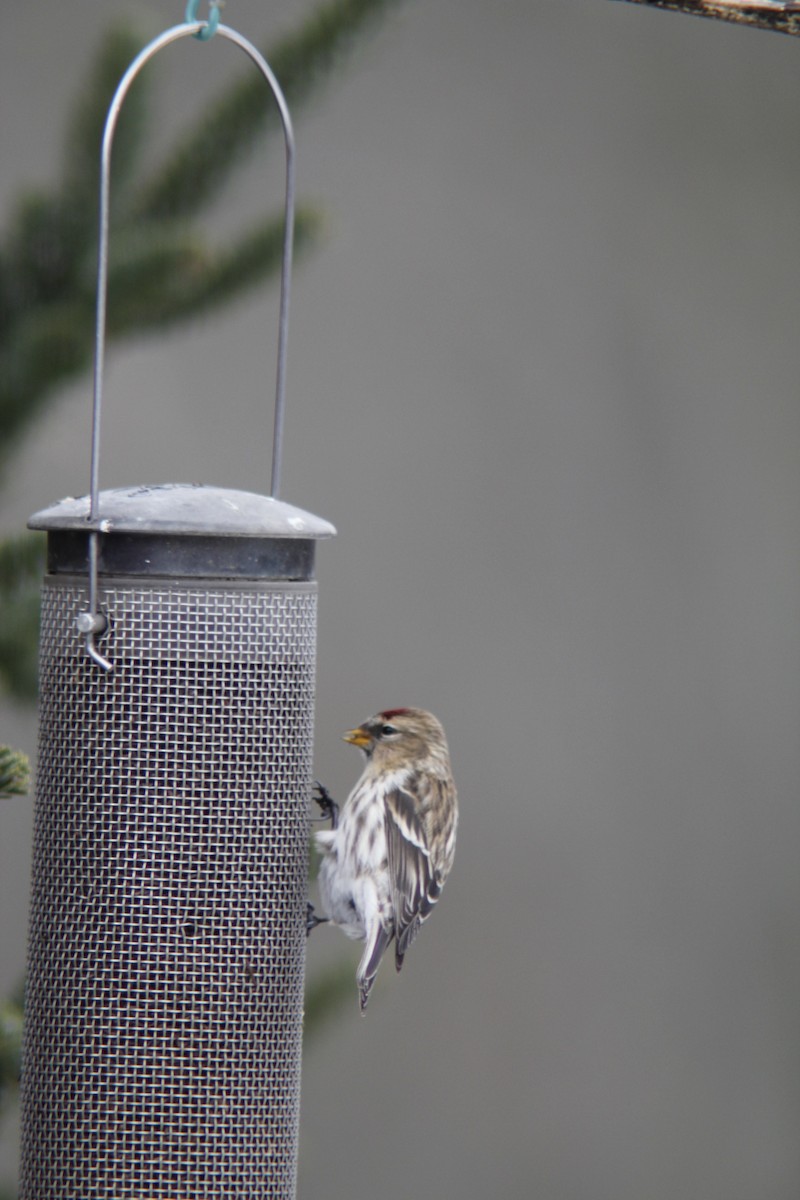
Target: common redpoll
387, 854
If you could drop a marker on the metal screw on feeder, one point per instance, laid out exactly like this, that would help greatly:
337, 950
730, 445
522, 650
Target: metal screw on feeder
167, 929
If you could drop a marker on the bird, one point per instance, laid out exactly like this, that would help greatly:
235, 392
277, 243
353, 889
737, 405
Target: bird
389, 850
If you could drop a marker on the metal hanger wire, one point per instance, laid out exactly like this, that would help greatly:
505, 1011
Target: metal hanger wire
93, 622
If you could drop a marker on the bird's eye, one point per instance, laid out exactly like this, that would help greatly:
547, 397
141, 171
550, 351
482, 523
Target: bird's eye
387, 730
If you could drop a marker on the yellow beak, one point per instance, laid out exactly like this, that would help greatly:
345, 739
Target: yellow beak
357, 737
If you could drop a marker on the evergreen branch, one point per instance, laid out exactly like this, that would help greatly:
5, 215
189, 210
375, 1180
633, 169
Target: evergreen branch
50, 236
19, 640
21, 567
159, 273
49, 345
158, 276
15, 780
39, 260
46, 296
10, 1044
21, 561
203, 279
149, 270
84, 136
201, 164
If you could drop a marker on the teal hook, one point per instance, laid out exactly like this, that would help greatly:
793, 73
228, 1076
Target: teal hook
210, 27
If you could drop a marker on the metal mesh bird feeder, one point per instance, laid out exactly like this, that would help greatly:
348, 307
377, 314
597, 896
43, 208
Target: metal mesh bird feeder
167, 934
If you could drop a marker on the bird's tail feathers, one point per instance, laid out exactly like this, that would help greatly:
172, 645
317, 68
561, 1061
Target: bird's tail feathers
370, 961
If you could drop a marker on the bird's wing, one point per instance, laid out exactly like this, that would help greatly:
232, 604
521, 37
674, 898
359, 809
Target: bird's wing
415, 888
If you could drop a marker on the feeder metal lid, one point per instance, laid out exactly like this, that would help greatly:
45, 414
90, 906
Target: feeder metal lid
185, 509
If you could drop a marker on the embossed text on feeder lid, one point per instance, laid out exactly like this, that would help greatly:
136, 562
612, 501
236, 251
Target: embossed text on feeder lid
185, 509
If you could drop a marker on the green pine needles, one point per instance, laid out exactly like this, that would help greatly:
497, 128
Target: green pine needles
15, 773
164, 269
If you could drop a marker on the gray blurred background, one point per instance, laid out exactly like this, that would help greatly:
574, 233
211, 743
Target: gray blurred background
544, 376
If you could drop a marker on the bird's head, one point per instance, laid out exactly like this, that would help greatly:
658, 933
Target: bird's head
399, 737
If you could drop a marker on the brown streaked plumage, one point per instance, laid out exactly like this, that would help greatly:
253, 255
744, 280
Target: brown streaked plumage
390, 850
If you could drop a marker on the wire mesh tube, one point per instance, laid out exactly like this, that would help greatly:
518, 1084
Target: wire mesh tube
167, 939
163, 1010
